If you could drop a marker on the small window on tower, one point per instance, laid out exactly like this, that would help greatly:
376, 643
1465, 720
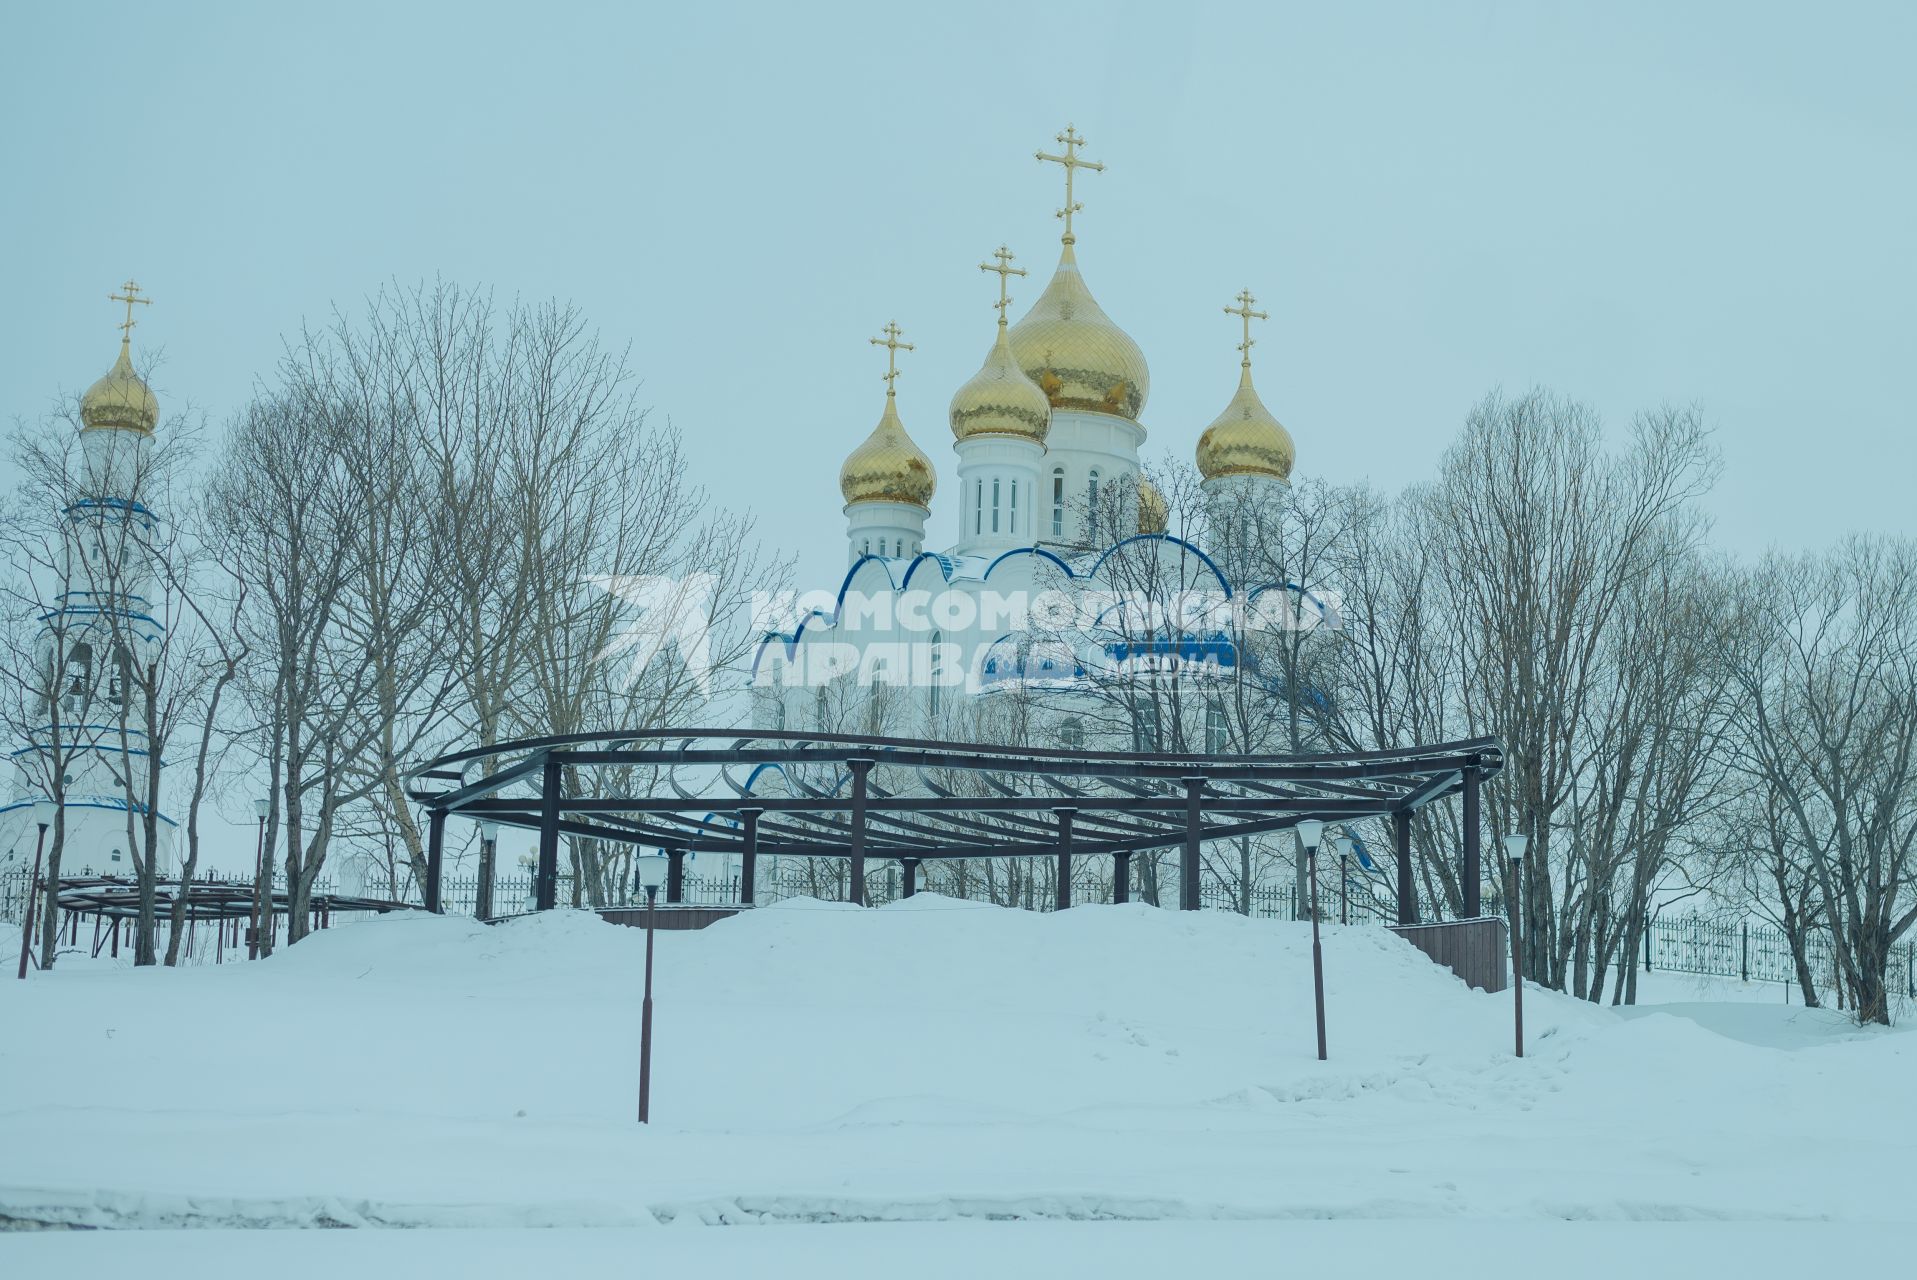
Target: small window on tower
994, 506
1058, 502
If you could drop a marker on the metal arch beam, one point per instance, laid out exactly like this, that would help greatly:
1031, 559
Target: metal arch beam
1122, 802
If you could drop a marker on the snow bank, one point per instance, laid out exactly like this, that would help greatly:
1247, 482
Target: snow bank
931, 1060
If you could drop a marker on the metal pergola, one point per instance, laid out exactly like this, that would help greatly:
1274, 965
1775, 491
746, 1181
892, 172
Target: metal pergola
861, 797
113, 897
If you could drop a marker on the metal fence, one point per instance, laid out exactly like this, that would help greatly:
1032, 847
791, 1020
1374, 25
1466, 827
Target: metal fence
1756, 952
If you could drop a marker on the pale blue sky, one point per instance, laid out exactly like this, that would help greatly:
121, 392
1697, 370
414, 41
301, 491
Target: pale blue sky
1630, 203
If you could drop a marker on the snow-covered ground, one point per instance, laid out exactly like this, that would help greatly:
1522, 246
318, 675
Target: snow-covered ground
1118, 1090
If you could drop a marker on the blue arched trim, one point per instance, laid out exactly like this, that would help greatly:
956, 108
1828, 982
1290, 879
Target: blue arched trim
114, 806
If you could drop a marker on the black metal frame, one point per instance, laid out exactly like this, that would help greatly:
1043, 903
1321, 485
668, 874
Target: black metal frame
995, 802
118, 898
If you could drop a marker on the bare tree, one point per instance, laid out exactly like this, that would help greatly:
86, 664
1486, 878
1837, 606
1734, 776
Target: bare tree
1827, 720
1543, 536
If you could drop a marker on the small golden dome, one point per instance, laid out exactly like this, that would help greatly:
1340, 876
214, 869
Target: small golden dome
888, 467
1154, 516
120, 400
1000, 400
1076, 355
1245, 440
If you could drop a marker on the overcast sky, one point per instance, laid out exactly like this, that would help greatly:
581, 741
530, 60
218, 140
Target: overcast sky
1629, 203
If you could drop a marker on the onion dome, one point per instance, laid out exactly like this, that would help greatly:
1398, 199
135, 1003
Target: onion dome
120, 401
1073, 351
1000, 400
1245, 440
888, 467
1154, 516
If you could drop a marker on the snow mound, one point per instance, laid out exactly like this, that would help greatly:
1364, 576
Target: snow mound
932, 1059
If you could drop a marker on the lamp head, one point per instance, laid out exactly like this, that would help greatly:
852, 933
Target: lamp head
1515, 844
44, 810
488, 830
260, 807
652, 870
1310, 833
1344, 844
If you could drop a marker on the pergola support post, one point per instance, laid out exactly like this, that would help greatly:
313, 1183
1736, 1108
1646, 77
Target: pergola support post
675, 876
1062, 892
546, 879
1472, 872
1407, 887
435, 856
748, 856
1122, 877
1188, 862
909, 869
855, 874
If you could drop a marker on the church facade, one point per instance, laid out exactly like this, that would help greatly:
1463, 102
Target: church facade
1055, 530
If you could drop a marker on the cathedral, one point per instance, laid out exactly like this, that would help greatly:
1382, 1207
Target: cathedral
1052, 498
83, 752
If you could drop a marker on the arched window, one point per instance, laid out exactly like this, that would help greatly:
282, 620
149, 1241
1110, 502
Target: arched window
1091, 508
994, 504
1012, 525
79, 668
1058, 502
865, 548
978, 507
1145, 727
1071, 734
1215, 734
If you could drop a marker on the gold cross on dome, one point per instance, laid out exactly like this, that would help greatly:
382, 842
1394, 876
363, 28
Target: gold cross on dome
1243, 310
1070, 160
892, 347
1005, 271
131, 296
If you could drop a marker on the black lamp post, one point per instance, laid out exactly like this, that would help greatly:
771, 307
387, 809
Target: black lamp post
259, 888
652, 873
1515, 845
43, 811
488, 853
1344, 844
1310, 833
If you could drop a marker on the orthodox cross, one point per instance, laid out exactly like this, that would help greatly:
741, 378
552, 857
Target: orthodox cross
1071, 161
1005, 271
131, 296
892, 347
1243, 310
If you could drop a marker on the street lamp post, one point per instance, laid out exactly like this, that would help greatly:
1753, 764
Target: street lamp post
1514, 846
1310, 833
488, 849
1344, 844
652, 874
43, 812
259, 875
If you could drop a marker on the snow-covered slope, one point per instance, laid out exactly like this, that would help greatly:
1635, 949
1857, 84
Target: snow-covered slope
928, 1060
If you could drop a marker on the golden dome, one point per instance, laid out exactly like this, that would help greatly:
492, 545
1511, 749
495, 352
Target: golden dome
1154, 516
120, 400
888, 467
1076, 355
1245, 440
1000, 400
